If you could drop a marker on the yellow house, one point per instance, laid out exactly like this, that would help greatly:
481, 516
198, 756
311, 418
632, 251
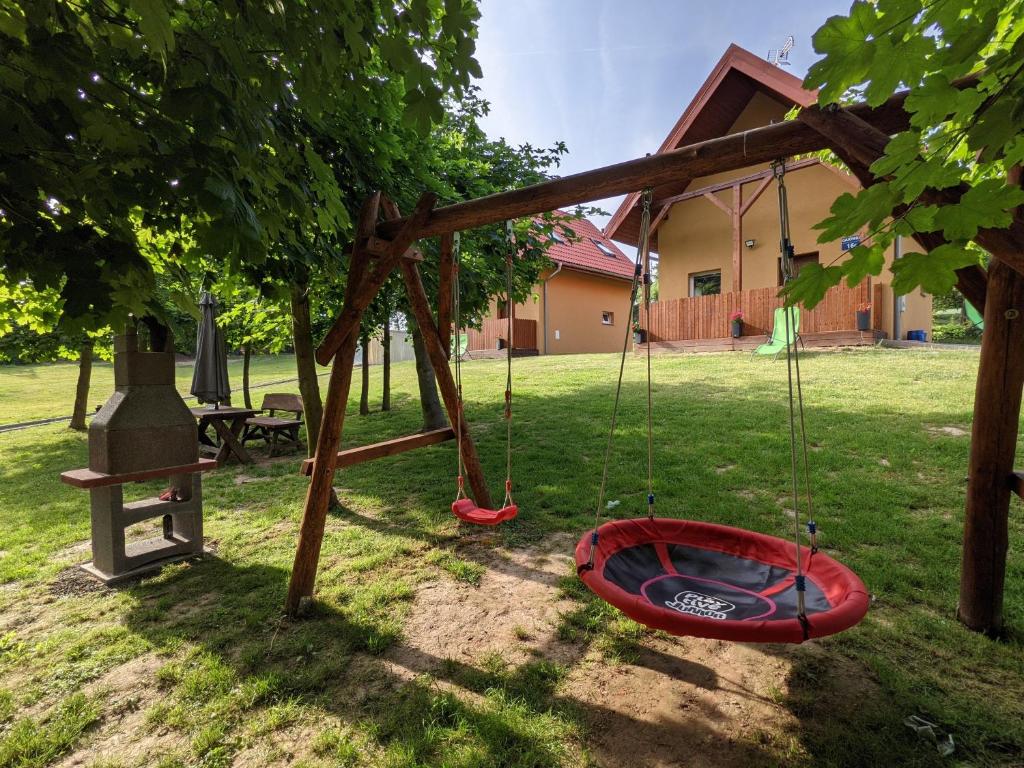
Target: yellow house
717, 237
580, 305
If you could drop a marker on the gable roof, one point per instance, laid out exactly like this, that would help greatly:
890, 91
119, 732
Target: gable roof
717, 105
584, 255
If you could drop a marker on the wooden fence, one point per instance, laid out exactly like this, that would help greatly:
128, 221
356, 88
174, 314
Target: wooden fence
524, 334
708, 317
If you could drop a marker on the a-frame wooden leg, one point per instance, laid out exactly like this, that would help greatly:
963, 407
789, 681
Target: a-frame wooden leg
318, 496
359, 292
420, 306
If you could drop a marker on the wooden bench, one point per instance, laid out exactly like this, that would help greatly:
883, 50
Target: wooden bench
275, 431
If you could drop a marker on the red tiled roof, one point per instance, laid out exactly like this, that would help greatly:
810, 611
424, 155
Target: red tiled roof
584, 255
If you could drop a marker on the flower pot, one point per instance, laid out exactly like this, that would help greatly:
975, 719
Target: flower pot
639, 336
737, 328
863, 319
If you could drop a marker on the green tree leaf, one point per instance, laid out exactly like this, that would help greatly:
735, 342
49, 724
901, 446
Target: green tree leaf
809, 287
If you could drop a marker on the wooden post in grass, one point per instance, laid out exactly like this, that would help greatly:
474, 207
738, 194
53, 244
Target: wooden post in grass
997, 401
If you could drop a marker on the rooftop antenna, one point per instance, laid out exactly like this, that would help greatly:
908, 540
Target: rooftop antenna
780, 56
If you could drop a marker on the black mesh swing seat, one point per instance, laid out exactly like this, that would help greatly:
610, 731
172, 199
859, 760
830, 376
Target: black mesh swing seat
707, 580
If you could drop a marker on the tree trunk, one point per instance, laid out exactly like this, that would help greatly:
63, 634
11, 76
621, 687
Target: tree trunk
430, 403
997, 401
364, 391
305, 364
385, 400
82, 389
246, 355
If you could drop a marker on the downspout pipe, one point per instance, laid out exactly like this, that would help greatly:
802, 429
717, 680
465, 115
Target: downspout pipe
544, 294
897, 324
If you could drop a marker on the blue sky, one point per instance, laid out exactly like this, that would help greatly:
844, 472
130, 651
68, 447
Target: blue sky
611, 77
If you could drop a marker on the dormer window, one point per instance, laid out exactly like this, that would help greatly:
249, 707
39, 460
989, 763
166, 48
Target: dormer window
603, 248
556, 237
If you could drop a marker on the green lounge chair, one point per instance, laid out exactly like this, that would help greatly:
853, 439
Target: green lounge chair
974, 316
779, 341
463, 345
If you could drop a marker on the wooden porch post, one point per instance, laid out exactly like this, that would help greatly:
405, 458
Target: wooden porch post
737, 238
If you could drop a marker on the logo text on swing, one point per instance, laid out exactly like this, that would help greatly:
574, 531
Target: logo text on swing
697, 604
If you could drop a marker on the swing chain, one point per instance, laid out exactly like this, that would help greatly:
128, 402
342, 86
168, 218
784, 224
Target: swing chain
457, 352
796, 404
510, 241
641, 275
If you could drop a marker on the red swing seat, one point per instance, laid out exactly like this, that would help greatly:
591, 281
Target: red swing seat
466, 510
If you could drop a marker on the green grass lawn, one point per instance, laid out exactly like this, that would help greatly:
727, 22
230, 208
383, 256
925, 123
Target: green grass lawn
31, 392
219, 672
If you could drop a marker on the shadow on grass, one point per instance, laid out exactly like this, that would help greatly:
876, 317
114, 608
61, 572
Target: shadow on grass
444, 712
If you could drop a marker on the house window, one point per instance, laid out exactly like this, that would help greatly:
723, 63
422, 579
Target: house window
706, 283
603, 248
556, 237
608, 318
800, 261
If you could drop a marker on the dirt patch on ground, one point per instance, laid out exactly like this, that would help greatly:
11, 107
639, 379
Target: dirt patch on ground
672, 702
73, 582
513, 612
949, 431
679, 702
123, 736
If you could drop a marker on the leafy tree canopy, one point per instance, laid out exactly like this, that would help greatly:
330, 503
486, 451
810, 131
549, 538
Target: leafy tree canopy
216, 126
963, 62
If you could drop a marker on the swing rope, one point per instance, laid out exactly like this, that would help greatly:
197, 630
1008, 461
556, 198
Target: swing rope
796, 400
640, 271
511, 314
457, 352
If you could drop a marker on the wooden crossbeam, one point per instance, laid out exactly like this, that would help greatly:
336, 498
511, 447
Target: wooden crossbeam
764, 176
728, 153
1017, 482
364, 453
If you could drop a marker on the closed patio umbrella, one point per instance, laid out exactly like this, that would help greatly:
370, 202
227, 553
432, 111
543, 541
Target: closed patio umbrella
210, 376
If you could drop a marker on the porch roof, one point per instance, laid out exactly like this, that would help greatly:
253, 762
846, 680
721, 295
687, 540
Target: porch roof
717, 105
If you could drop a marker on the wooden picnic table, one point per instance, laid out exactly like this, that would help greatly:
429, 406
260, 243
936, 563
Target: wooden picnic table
228, 423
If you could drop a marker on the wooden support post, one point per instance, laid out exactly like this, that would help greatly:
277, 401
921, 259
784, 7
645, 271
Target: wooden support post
420, 306
358, 294
997, 402
318, 495
444, 292
737, 237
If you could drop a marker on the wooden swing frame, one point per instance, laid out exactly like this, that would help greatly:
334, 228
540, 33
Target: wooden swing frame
385, 241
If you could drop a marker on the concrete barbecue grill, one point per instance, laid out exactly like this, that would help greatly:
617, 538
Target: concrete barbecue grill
144, 431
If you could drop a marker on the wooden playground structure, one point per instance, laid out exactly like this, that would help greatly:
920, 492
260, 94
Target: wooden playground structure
385, 242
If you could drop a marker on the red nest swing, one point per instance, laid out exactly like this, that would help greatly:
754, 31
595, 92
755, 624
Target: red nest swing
715, 581
707, 580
